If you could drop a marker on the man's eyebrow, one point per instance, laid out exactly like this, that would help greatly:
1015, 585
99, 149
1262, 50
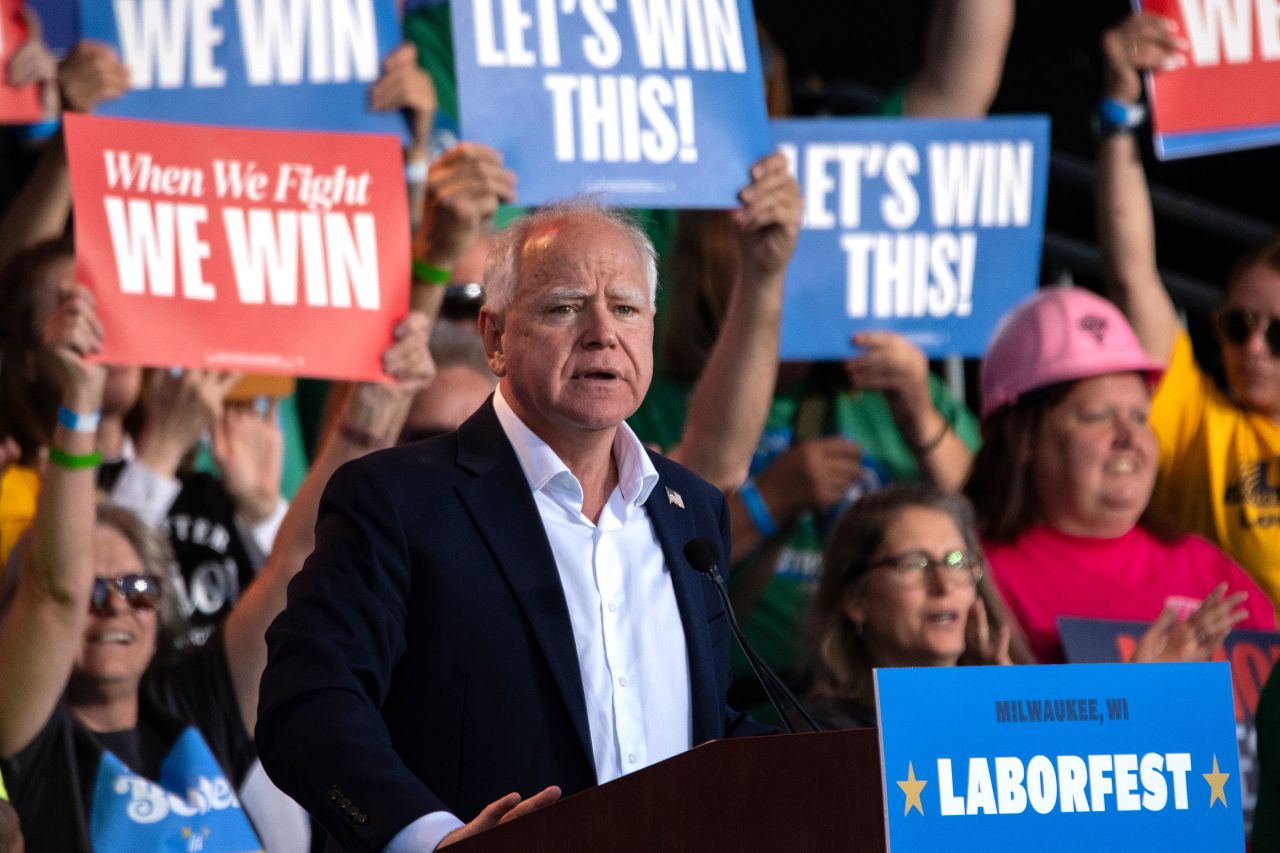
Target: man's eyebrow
626, 292
561, 294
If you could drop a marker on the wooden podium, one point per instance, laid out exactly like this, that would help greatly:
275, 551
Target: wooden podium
803, 792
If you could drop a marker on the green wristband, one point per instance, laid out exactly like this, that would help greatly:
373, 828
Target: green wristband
72, 461
427, 274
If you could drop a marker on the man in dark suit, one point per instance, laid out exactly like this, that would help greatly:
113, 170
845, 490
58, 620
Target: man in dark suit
507, 608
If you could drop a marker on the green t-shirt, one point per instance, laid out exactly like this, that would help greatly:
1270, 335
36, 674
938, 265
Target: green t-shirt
776, 624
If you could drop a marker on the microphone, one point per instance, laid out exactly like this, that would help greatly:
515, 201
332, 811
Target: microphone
704, 558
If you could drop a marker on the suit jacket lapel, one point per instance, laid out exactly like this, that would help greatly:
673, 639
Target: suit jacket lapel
674, 527
507, 517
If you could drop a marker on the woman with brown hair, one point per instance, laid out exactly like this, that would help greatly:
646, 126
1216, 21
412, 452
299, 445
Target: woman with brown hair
901, 586
1063, 479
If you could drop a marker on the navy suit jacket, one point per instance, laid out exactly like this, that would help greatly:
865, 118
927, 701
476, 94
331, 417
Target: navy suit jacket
426, 660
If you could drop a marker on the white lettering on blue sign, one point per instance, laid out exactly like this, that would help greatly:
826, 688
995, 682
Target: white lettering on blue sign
170, 45
1123, 782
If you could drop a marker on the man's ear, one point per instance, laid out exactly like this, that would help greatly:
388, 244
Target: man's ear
491, 327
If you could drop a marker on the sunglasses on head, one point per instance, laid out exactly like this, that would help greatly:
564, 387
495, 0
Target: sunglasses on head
140, 592
1237, 325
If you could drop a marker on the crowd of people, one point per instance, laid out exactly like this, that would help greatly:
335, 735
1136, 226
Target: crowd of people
411, 633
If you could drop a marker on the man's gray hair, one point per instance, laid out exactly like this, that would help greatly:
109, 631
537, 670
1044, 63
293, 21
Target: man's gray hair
502, 266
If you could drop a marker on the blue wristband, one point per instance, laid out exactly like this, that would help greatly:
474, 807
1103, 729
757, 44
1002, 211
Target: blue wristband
77, 422
757, 509
1118, 117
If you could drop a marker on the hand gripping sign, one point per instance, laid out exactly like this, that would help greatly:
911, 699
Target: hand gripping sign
1223, 98
931, 229
284, 64
263, 251
648, 103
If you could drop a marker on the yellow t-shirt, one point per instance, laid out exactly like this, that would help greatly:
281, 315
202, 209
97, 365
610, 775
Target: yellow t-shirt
19, 486
1219, 468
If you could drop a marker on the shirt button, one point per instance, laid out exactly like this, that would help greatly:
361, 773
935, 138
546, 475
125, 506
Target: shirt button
633, 758
613, 608
624, 681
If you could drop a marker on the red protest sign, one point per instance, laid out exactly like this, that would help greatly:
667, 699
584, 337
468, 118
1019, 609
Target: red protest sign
18, 104
1222, 98
265, 251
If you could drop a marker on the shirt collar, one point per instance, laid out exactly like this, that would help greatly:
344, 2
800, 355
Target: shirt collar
636, 475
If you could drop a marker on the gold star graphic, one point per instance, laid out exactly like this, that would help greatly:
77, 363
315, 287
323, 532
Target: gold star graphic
912, 788
1217, 784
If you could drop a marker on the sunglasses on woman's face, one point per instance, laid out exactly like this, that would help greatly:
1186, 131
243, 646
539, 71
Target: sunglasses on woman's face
1237, 325
140, 591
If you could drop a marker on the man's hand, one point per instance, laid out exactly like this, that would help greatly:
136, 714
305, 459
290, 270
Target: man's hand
403, 85
90, 74
1143, 42
811, 475
1196, 638
769, 219
464, 188
502, 810
180, 407
249, 449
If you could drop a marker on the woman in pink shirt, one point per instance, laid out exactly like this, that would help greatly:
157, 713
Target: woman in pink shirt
1063, 479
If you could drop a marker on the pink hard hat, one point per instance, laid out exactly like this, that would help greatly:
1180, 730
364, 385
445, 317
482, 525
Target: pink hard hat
1059, 335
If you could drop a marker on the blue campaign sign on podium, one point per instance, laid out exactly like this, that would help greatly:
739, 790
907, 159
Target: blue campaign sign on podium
645, 103
1066, 757
268, 64
928, 228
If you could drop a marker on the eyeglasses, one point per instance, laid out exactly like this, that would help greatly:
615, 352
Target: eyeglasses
1237, 325
954, 565
140, 591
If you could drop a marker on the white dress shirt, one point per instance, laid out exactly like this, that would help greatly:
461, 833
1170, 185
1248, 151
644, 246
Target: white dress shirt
622, 607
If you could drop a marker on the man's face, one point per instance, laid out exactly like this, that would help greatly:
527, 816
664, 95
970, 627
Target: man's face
575, 348
1252, 371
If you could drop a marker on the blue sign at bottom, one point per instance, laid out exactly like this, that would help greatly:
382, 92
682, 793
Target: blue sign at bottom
1065, 757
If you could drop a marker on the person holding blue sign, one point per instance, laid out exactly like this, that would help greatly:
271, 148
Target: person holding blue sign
1063, 479
900, 586
1219, 458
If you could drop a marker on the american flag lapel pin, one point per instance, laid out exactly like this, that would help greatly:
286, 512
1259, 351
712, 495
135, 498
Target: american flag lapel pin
673, 497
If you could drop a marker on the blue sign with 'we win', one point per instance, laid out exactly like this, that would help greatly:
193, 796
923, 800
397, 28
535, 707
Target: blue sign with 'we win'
272, 64
1068, 757
928, 228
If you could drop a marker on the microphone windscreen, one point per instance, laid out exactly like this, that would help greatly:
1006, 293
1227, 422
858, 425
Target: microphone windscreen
702, 555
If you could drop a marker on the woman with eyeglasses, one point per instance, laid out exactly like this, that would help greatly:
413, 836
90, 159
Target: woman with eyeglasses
1062, 483
1219, 453
901, 586
102, 745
